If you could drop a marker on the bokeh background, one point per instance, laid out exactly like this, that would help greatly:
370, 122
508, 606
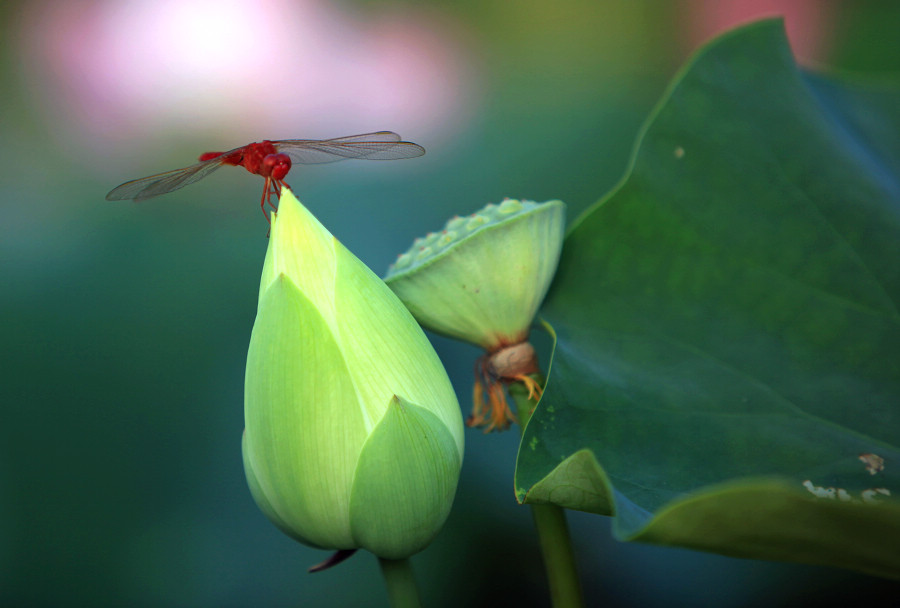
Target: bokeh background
125, 326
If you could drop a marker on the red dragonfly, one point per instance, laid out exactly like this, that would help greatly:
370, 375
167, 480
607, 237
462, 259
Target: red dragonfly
272, 160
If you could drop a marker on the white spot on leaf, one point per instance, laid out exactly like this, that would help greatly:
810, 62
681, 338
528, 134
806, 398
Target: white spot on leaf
819, 491
868, 496
874, 463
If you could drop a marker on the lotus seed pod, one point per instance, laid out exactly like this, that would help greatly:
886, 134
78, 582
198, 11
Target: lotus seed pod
482, 278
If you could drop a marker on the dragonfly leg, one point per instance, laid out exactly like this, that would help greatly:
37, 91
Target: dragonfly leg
275, 192
262, 201
271, 193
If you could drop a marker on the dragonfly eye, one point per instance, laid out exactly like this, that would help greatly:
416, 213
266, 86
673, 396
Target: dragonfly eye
276, 166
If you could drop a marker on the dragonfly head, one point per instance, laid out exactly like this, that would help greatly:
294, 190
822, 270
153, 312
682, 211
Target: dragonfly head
276, 166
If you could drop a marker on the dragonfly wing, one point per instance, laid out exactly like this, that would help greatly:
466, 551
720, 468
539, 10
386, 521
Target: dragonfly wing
161, 183
382, 145
376, 136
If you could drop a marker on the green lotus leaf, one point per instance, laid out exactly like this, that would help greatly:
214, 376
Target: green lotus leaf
727, 365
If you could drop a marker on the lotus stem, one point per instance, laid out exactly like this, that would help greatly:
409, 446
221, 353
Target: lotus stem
401, 584
550, 520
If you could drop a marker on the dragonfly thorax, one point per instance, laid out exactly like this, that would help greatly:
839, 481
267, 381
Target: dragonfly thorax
254, 155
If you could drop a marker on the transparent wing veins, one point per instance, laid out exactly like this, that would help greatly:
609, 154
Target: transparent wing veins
162, 183
381, 145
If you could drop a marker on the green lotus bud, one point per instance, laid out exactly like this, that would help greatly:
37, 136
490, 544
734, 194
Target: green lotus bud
481, 279
353, 435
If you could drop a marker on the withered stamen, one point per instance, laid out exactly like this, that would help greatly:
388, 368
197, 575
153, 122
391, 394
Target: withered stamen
504, 366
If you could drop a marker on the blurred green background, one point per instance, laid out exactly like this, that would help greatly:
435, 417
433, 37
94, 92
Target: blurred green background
125, 326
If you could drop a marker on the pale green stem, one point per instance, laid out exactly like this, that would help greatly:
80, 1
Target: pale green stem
401, 584
550, 520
